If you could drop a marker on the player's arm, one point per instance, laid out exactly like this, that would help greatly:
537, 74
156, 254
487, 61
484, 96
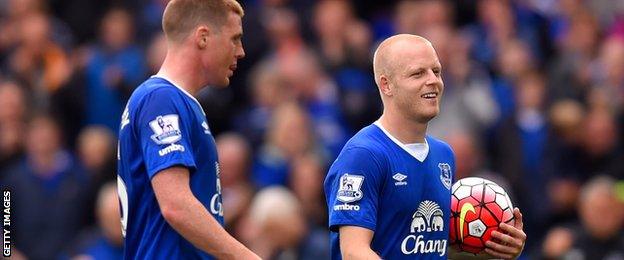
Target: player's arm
190, 218
355, 243
353, 208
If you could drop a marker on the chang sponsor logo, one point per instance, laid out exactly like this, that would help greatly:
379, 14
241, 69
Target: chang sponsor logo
428, 218
413, 244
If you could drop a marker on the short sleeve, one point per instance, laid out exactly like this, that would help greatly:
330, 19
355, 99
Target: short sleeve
352, 188
163, 130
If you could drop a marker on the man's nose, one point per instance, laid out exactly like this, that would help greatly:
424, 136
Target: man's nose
240, 53
433, 78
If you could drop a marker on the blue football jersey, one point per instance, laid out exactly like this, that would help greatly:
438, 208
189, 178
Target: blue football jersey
163, 126
376, 183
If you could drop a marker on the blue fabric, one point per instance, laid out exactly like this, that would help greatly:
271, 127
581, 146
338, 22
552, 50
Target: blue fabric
377, 185
164, 127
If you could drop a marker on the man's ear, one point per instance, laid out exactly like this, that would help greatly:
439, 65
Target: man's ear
385, 85
201, 36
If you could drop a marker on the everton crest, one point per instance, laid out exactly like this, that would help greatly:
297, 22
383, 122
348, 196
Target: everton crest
445, 174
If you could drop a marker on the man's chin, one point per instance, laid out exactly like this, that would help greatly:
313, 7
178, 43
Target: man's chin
426, 117
222, 84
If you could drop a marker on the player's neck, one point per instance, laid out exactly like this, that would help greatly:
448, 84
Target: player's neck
405, 130
178, 68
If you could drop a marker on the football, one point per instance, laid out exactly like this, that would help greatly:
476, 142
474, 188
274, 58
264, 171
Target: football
478, 206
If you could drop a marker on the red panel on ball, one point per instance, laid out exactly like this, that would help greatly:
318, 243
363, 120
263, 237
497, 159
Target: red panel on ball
477, 224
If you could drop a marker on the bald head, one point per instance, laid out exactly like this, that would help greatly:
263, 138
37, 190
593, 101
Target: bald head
387, 58
409, 76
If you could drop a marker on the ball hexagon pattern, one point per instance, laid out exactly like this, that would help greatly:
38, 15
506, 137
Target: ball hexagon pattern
478, 206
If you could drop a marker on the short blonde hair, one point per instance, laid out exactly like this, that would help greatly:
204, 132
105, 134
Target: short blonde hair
182, 16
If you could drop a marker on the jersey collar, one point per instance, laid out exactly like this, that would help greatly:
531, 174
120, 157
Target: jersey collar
416, 150
181, 89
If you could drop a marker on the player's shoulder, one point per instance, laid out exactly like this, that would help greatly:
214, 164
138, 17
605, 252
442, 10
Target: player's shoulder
155, 89
365, 148
438, 144
155, 86
361, 156
368, 139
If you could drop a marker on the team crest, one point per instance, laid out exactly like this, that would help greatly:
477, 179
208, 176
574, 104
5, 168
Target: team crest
445, 174
350, 188
166, 129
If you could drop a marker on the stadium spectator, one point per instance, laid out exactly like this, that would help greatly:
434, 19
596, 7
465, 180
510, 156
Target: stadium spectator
332, 22
306, 174
289, 135
156, 53
344, 49
12, 123
607, 72
602, 155
521, 145
599, 234
318, 95
277, 227
569, 74
235, 163
96, 151
468, 157
106, 242
49, 188
565, 147
39, 62
434, 13
468, 104
115, 68
268, 90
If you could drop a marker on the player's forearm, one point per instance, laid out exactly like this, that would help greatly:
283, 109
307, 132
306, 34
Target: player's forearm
363, 253
355, 243
195, 224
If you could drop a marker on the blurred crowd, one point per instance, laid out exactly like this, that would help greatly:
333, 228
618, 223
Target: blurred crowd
533, 99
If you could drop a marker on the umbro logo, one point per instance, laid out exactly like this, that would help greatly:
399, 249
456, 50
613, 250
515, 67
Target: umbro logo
400, 179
